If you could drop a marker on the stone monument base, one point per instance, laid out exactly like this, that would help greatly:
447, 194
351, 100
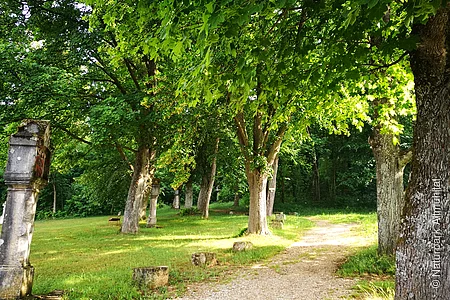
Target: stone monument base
16, 281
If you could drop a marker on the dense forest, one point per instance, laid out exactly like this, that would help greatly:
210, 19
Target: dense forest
339, 174
274, 104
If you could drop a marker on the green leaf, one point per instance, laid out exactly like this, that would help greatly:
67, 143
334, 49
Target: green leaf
210, 7
372, 3
177, 50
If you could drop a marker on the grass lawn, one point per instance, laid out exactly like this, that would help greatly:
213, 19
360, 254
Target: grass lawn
90, 259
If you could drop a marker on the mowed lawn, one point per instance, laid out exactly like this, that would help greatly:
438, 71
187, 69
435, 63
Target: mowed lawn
89, 259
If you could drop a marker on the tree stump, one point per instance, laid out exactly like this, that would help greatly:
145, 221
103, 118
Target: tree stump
204, 258
242, 246
151, 277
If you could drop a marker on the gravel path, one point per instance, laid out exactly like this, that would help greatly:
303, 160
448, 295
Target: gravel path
306, 270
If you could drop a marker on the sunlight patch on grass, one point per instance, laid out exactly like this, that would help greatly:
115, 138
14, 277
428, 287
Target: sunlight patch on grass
90, 259
374, 290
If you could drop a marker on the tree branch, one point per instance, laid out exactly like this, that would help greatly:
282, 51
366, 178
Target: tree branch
276, 22
275, 149
242, 133
132, 74
123, 156
378, 67
99, 63
72, 135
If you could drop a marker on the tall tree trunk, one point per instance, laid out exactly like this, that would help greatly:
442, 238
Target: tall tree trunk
189, 194
145, 200
140, 188
283, 184
271, 188
316, 179
257, 184
390, 163
54, 194
423, 253
206, 187
261, 150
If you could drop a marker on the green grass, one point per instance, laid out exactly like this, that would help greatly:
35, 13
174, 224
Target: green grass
375, 273
368, 262
374, 290
90, 259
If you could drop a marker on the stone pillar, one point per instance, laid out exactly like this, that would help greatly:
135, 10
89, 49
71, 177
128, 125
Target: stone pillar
26, 173
176, 199
151, 221
189, 194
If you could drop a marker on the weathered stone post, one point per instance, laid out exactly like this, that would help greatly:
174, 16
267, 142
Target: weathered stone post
26, 173
176, 200
151, 221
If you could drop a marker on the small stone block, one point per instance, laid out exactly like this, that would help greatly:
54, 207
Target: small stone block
276, 224
204, 258
242, 246
280, 217
151, 277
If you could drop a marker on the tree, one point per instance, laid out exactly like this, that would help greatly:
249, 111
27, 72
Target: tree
385, 80
114, 97
271, 188
238, 52
390, 163
423, 249
423, 252
245, 57
207, 165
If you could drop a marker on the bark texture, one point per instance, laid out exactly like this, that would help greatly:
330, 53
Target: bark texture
423, 253
272, 188
259, 153
139, 190
206, 187
257, 184
390, 163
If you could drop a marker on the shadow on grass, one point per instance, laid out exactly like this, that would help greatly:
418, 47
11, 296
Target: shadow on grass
90, 258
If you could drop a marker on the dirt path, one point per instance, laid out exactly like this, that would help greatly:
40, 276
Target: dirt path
303, 271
